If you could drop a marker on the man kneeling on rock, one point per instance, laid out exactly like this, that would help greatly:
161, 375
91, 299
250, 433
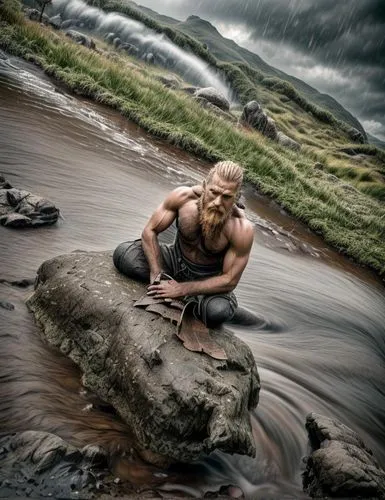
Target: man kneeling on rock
210, 250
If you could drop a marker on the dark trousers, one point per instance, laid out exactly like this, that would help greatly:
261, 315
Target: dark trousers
213, 310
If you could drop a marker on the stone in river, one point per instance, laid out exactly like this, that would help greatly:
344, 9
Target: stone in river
340, 465
181, 405
20, 208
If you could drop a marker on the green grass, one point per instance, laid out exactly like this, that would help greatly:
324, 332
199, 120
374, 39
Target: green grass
352, 221
243, 78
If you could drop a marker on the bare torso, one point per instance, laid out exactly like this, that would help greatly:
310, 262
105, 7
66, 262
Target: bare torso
195, 247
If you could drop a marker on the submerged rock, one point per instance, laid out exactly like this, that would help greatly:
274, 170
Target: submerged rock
40, 465
340, 465
179, 404
19, 208
214, 96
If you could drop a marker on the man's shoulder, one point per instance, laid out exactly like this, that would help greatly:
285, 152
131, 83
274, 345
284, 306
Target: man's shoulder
182, 195
240, 229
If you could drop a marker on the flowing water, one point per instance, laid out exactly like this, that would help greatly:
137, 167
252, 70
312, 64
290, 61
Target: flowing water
166, 54
321, 347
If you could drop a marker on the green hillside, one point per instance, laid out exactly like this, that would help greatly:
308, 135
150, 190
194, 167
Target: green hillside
227, 50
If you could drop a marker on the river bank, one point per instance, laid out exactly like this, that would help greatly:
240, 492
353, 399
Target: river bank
352, 222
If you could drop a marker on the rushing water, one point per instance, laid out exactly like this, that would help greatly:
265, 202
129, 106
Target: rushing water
167, 54
322, 346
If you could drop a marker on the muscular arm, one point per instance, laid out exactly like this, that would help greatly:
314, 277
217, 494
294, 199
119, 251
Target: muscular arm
234, 264
160, 220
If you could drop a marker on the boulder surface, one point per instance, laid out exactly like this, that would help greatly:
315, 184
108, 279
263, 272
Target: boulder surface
254, 117
214, 96
179, 404
19, 208
340, 465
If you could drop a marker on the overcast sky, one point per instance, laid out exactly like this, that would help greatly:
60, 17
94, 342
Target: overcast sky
337, 46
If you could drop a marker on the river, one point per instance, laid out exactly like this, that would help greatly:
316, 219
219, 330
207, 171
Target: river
320, 348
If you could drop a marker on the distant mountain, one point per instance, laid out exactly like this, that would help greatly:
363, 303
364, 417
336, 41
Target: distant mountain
375, 141
227, 50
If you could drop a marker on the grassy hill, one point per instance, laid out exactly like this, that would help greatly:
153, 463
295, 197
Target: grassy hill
227, 50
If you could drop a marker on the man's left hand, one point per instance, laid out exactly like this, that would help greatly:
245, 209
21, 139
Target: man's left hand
166, 289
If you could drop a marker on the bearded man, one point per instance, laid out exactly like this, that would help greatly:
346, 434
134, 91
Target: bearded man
211, 248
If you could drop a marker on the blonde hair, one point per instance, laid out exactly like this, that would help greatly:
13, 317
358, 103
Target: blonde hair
228, 171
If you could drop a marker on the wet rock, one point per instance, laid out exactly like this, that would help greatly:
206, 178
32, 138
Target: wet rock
190, 89
216, 110
129, 49
180, 408
19, 208
149, 58
6, 305
41, 465
270, 129
67, 23
340, 465
253, 116
81, 39
109, 37
169, 81
287, 142
34, 15
116, 42
55, 22
214, 96
23, 283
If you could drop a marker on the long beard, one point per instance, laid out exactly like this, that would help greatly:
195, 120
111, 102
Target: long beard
211, 221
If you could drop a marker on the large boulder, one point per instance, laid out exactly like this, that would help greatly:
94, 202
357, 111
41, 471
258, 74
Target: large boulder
179, 404
214, 96
253, 116
20, 208
287, 142
340, 465
81, 39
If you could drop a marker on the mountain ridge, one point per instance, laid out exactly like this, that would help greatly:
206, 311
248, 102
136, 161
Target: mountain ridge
227, 50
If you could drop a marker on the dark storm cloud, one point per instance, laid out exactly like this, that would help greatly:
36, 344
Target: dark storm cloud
342, 41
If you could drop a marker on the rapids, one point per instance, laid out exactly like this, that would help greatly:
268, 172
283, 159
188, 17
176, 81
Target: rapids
322, 345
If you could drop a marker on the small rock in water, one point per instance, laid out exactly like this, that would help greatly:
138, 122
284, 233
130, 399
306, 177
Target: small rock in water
235, 492
7, 305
